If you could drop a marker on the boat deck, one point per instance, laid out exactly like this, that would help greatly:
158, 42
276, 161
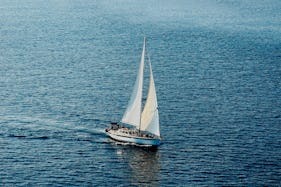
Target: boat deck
128, 132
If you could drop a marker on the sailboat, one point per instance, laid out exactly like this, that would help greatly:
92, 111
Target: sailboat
140, 127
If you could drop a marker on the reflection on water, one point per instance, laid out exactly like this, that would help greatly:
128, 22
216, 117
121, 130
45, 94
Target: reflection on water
143, 164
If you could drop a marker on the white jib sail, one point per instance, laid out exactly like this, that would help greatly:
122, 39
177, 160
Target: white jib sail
150, 116
132, 114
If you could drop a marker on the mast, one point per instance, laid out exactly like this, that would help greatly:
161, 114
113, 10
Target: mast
142, 60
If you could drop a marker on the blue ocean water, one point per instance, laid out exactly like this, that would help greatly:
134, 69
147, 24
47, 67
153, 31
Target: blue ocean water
67, 69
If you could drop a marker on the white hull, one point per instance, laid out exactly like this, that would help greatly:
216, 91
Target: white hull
114, 134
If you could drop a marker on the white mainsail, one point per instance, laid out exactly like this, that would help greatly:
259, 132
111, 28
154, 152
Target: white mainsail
150, 116
132, 114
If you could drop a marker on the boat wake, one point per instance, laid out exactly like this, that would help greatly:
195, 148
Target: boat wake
43, 128
29, 137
